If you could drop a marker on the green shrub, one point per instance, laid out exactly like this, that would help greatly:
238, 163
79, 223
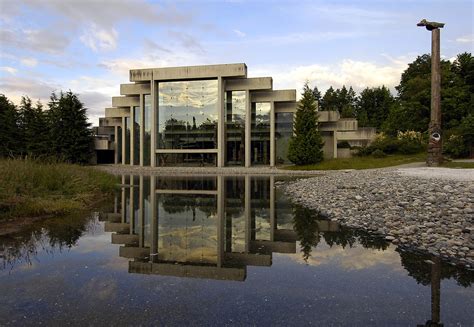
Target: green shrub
455, 147
379, 154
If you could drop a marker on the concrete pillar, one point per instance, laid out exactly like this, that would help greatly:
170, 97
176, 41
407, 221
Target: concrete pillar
248, 214
132, 135
248, 128
154, 120
272, 134
334, 145
124, 133
220, 220
220, 123
142, 127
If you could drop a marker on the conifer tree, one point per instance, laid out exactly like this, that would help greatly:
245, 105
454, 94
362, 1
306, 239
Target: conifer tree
306, 144
9, 129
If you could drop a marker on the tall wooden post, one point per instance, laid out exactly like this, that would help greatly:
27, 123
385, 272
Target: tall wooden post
435, 145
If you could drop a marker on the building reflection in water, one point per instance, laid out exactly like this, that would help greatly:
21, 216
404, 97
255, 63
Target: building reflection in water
205, 227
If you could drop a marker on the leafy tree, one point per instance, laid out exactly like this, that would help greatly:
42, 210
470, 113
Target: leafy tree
306, 145
373, 106
9, 129
70, 133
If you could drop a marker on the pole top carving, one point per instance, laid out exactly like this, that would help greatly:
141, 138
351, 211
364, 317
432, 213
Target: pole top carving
430, 25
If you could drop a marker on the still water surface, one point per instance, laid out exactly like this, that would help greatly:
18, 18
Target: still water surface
215, 250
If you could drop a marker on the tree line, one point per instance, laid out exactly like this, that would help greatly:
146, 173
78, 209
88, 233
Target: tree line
409, 109
61, 132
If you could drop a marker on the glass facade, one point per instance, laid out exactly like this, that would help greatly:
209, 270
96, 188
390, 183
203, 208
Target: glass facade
136, 135
235, 127
127, 140
188, 113
260, 130
147, 130
119, 144
283, 134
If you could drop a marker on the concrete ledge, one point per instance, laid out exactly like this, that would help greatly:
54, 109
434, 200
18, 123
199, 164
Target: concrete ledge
117, 112
328, 116
286, 107
243, 84
328, 226
180, 270
110, 121
276, 96
125, 101
138, 75
114, 217
127, 239
285, 235
135, 89
132, 252
102, 144
248, 259
116, 227
267, 247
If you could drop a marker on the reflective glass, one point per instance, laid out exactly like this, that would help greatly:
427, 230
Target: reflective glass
235, 127
119, 144
147, 129
188, 115
127, 140
283, 134
136, 135
260, 144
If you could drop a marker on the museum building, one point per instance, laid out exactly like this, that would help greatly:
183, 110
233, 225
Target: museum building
210, 115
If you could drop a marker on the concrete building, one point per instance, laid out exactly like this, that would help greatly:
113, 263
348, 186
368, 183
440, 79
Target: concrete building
209, 115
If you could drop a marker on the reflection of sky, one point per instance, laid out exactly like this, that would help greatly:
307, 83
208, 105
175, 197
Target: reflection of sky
186, 100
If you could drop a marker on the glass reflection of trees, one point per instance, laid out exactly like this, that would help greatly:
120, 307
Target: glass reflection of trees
260, 131
235, 127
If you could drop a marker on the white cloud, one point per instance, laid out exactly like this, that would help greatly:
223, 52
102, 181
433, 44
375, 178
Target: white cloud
466, 39
99, 39
239, 33
29, 62
9, 70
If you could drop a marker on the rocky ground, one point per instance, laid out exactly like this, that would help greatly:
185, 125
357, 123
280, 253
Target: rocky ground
425, 209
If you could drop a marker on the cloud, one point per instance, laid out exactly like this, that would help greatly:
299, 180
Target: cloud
187, 41
41, 40
239, 33
349, 72
9, 70
99, 39
29, 62
466, 39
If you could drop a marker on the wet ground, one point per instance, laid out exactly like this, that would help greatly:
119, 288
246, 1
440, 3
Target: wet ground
217, 250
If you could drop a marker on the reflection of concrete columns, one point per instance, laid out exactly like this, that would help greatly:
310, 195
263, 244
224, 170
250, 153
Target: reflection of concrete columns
248, 128
220, 122
132, 136
154, 120
116, 144
142, 127
272, 209
334, 145
154, 219
220, 220
272, 134
132, 211
124, 133
247, 213
123, 200
435, 290
141, 214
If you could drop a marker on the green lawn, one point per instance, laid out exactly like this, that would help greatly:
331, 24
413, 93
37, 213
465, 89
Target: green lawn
452, 164
32, 189
362, 162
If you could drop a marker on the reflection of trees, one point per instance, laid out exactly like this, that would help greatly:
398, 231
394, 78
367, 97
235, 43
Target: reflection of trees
418, 266
305, 224
348, 237
173, 203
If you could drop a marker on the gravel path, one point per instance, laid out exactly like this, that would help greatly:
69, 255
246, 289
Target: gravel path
428, 209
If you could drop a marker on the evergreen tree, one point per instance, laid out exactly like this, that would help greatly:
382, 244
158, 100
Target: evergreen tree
306, 145
318, 97
329, 101
70, 133
373, 106
34, 129
9, 129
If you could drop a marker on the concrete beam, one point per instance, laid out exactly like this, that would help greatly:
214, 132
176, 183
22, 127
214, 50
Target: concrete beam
125, 101
117, 112
267, 247
128, 239
328, 116
243, 84
275, 96
102, 144
248, 259
114, 217
116, 227
135, 89
141, 75
286, 106
361, 134
110, 121
132, 252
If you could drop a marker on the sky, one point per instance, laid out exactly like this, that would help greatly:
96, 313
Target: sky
88, 46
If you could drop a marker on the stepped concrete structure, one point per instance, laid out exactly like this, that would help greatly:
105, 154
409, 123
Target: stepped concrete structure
211, 115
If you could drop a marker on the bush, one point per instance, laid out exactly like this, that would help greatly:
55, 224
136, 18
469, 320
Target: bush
379, 154
455, 147
409, 142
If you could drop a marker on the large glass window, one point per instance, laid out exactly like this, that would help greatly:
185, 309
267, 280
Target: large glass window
188, 113
283, 134
260, 144
147, 126
235, 127
136, 135
119, 144
127, 140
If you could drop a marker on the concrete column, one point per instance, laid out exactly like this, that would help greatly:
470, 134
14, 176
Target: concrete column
154, 120
272, 134
220, 122
334, 145
142, 127
248, 128
116, 144
248, 214
141, 216
220, 220
154, 220
272, 209
132, 204
124, 133
123, 200
132, 135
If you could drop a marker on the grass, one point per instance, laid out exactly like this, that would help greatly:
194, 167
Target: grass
362, 162
454, 164
30, 188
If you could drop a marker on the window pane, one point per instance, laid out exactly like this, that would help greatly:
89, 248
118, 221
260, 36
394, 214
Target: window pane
235, 127
147, 127
260, 144
283, 134
127, 140
136, 136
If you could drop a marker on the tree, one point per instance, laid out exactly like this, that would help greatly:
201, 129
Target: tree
318, 96
329, 101
306, 145
70, 133
9, 129
373, 106
34, 129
